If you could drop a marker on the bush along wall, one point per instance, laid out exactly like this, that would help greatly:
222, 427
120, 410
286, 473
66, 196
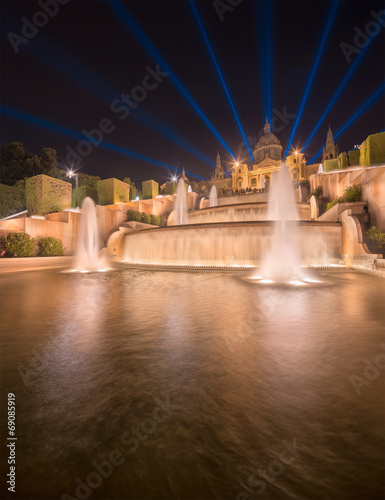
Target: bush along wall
18, 245
50, 246
12, 200
352, 194
22, 245
155, 220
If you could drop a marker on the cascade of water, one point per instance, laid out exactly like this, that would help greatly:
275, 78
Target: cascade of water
213, 197
180, 204
87, 256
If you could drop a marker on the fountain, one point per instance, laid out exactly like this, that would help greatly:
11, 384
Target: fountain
213, 197
87, 256
283, 259
246, 235
320, 169
180, 216
261, 183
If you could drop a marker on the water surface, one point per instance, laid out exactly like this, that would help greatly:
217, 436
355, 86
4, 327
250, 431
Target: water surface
256, 381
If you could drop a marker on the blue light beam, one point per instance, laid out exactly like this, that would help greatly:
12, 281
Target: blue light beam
83, 76
356, 115
219, 73
265, 32
347, 77
41, 122
314, 69
123, 14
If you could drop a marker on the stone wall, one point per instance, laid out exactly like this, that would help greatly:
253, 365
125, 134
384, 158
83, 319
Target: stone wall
372, 180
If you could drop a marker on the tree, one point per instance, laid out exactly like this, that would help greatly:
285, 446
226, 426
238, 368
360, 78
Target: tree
16, 163
134, 192
88, 180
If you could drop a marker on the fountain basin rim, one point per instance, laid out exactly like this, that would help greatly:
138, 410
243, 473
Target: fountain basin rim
251, 223
243, 205
186, 267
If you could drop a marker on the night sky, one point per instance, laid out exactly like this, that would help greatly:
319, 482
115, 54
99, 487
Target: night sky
76, 66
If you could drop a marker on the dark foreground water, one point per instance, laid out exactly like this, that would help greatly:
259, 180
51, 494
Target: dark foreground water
179, 385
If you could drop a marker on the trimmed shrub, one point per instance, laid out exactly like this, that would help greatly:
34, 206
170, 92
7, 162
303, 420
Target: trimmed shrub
133, 215
51, 246
46, 195
372, 150
330, 165
12, 200
317, 192
19, 245
163, 221
145, 218
352, 193
155, 220
377, 236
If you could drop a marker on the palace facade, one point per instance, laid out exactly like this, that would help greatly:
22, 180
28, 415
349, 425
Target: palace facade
267, 159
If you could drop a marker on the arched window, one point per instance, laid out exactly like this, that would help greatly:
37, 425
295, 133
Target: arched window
253, 182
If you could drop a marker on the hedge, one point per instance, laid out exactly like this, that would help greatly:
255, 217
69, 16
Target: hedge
12, 200
45, 195
330, 165
372, 150
112, 191
83, 192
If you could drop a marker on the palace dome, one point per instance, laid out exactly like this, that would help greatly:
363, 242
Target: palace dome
268, 146
267, 137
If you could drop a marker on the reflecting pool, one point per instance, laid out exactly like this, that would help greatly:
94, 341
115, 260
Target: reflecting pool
140, 384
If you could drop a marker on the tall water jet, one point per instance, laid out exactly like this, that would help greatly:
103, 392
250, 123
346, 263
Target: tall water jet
189, 190
180, 206
213, 200
283, 259
87, 256
320, 169
261, 183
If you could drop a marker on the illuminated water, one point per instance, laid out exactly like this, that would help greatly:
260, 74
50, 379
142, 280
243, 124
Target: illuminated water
213, 198
87, 255
180, 204
250, 370
282, 260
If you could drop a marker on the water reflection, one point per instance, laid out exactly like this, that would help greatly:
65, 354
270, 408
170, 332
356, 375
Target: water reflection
248, 367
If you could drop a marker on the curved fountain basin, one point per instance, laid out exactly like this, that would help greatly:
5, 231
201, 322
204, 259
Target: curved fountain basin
242, 212
240, 244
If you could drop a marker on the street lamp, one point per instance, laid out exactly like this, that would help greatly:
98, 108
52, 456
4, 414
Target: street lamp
73, 174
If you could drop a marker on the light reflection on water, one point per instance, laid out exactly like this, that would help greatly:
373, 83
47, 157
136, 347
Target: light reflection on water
249, 368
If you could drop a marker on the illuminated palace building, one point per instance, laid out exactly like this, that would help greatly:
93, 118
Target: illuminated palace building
267, 159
